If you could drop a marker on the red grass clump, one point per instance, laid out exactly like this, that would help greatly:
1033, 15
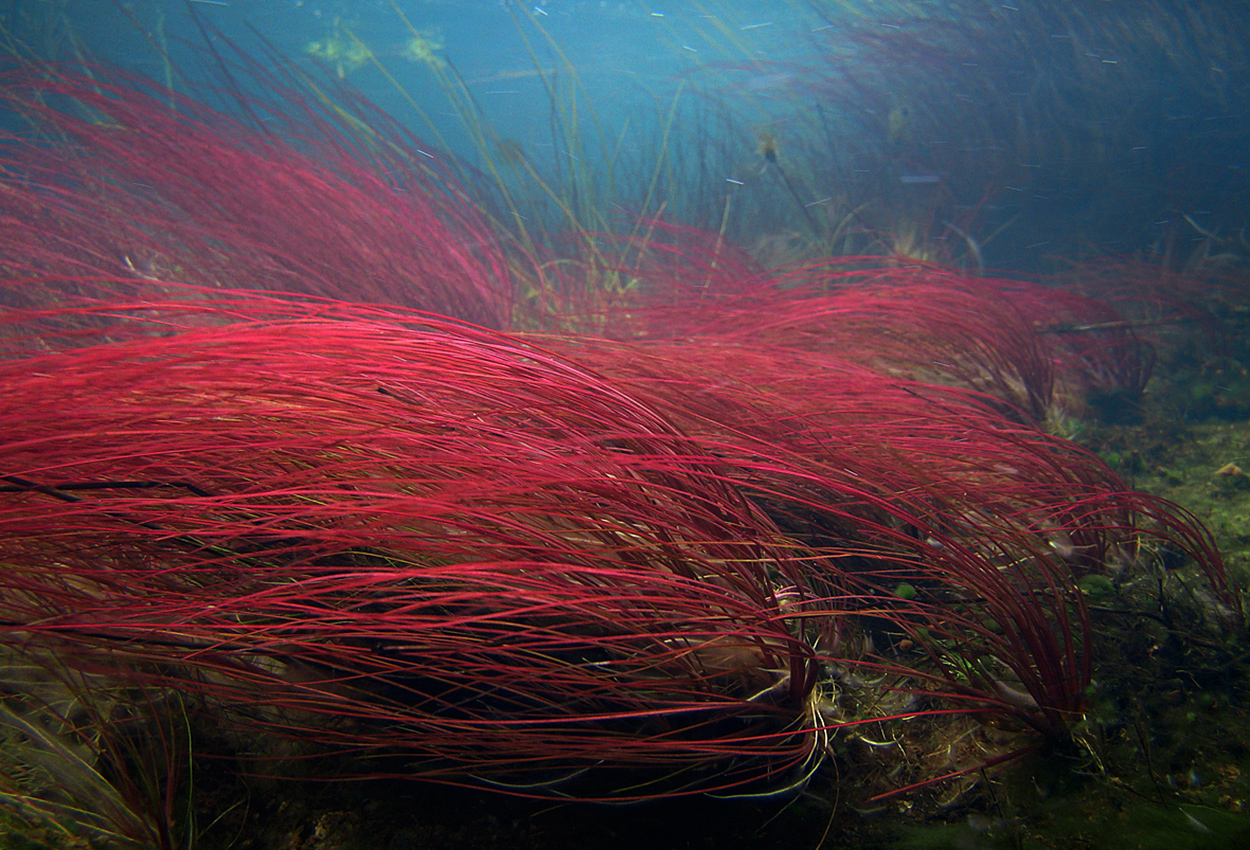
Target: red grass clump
772, 506
124, 178
395, 533
889, 482
1040, 350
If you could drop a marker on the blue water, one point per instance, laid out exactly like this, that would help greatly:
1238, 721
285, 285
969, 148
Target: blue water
626, 54
1005, 133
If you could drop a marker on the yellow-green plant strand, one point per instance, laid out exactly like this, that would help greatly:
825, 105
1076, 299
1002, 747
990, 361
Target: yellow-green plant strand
663, 155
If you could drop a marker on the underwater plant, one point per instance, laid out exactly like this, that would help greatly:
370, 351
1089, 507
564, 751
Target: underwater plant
89, 759
401, 535
1043, 351
114, 181
980, 134
464, 557
718, 528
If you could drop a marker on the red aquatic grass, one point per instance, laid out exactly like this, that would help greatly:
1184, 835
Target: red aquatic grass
385, 533
467, 556
401, 536
124, 177
1196, 309
388, 533
921, 323
994, 522
1039, 349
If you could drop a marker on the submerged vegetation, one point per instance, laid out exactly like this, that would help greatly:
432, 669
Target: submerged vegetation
333, 460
